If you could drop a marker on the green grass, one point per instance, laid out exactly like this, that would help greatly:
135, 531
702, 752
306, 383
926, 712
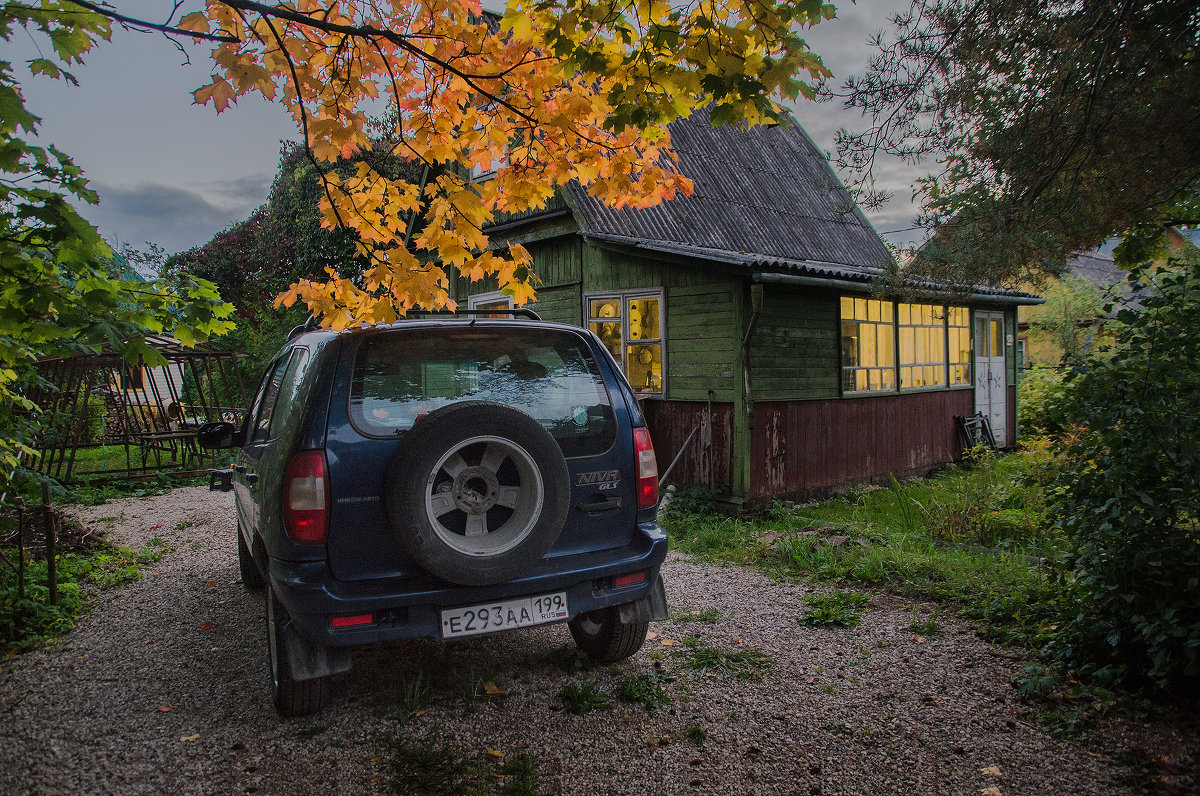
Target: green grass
925, 625
29, 622
839, 609
584, 697
743, 664
645, 689
428, 767
971, 536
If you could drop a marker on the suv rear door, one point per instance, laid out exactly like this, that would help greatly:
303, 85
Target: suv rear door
391, 378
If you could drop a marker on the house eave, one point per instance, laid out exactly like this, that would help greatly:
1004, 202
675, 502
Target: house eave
810, 273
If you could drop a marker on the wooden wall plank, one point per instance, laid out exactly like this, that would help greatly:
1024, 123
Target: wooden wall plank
805, 448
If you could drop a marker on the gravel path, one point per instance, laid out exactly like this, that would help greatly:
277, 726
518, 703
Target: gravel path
146, 696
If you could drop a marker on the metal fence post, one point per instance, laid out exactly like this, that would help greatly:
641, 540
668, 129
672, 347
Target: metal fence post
51, 569
20, 504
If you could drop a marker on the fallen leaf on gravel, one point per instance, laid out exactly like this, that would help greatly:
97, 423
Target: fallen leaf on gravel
214, 649
651, 636
812, 680
165, 708
992, 791
189, 738
210, 583
156, 527
737, 640
666, 642
990, 771
495, 753
418, 713
235, 582
491, 689
919, 639
206, 625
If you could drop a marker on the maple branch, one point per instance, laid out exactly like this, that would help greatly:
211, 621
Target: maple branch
304, 120
370, 32
141, 23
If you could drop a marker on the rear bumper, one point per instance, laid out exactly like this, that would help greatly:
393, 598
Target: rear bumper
411, 607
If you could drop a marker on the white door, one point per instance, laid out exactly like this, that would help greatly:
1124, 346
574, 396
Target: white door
991, 393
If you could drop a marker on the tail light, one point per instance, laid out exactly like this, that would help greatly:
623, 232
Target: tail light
647, 469
306, 498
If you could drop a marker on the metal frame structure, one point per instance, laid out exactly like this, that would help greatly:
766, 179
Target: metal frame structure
154, 419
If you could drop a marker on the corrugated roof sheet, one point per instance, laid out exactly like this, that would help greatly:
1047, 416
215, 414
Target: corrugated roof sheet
765, 192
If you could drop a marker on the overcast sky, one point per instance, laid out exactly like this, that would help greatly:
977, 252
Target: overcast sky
175, 173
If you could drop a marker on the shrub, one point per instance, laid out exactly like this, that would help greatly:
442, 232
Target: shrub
1129, 497
1045, 396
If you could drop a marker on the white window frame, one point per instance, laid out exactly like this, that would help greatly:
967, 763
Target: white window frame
948, 365
494, 297
845, 369
941, 319
969, 381
624, 297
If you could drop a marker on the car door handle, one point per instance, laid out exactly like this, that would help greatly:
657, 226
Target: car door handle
606, 504
251, 479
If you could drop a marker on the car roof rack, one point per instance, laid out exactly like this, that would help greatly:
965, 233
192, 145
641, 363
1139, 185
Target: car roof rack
307, 326
523, 312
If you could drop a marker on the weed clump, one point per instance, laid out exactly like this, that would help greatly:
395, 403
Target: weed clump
839, 609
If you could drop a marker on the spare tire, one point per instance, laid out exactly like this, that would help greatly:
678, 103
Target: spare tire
478, 492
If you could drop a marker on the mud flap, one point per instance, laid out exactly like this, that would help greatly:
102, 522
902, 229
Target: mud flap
309, 661
651, 608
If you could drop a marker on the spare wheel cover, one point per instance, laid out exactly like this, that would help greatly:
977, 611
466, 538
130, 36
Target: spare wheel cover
478, 492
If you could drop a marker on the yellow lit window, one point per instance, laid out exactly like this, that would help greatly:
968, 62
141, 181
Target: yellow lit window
631, 327
958, 334
868, 345
922, 334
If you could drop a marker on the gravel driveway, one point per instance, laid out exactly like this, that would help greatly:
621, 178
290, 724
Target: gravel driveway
162, 689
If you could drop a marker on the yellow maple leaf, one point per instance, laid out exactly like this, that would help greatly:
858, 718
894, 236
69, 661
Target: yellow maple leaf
218, 92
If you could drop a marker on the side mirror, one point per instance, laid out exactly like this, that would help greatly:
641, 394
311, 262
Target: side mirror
218, 435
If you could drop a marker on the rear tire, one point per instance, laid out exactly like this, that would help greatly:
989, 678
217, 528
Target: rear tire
251, 575
602, 636
291, 697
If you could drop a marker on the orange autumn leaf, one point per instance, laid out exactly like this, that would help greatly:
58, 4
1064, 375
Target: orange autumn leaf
564, 93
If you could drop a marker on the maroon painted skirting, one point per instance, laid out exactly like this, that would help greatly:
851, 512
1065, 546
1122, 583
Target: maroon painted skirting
806, 448
809, 447
671, 422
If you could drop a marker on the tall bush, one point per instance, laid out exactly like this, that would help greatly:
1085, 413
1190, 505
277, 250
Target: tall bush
1129, 496
1045, 402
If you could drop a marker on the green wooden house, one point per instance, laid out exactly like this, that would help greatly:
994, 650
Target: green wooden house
744, 317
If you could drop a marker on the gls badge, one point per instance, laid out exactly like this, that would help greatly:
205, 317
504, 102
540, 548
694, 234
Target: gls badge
602, 479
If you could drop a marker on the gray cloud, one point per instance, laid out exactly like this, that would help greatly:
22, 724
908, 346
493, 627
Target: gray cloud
250, 190
169, 216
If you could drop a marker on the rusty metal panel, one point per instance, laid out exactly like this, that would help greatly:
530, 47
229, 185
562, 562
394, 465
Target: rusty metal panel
708, 457
806, 448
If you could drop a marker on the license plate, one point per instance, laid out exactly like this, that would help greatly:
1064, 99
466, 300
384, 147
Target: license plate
491, 617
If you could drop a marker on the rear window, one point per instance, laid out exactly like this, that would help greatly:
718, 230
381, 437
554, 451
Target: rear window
549, 375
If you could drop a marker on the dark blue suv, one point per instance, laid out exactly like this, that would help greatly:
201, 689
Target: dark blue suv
443, 477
